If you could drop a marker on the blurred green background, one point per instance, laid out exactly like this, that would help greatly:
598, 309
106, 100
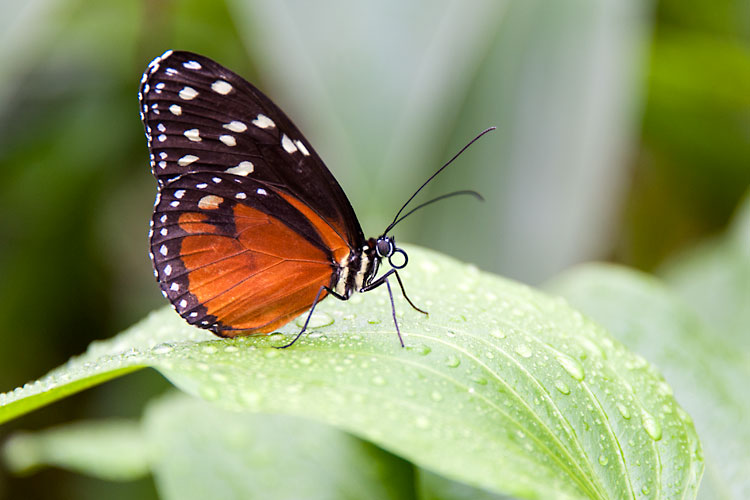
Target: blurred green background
623, 135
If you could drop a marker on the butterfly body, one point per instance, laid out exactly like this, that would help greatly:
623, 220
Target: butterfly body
250, 229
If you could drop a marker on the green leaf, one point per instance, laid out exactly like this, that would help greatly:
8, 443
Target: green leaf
709, 375
502, 387
430, 486
110, 449
202, 451
715, 280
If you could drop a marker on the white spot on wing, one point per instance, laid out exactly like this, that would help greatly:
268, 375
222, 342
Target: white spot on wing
183, 303
240, 196
287, 144
188, 93
235, 126
302, 148
175, 109
261, 191
244, 168
202, 185
174, 204
229, 140
175, 287
193, 134
262, 121
162, 137
179, 193
187, 160
210, 202
221, 87
168, 269
163, 250
192, 65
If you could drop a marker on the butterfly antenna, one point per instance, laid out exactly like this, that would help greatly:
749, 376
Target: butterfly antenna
422, 205
398, 214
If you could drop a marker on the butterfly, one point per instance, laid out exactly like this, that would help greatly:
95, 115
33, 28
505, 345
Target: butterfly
249, 229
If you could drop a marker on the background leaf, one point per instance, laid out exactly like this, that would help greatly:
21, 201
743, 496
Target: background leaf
202, 451
108, 449
502, 387
709, 375
714, 279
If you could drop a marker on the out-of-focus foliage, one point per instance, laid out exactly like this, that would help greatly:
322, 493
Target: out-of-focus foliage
694, 162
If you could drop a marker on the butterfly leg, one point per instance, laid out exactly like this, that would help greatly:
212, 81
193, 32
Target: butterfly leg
393, 310
384, 278
309, 315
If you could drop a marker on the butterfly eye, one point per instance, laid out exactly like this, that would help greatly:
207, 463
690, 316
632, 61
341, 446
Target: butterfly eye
384, 247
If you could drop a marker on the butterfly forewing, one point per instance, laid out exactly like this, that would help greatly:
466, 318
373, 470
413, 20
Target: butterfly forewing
202, 117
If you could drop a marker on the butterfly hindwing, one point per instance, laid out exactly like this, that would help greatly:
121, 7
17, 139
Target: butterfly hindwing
233, 255
201, 117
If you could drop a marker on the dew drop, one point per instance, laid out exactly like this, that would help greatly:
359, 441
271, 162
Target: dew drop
684, 416
209, 349
305, 360
480, 380
452, 361
571, 366
231, 348
497, 333
523, 351
645, 490
562, 387
378, 380
419, 349
272, 353
664, 389
651, 425
422, 422
623, 411
436, 396
317, 320
603, 460
373, 321
163, 349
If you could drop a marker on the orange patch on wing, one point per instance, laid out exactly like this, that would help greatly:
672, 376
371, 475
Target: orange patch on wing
194, 223
257, 279
339, 247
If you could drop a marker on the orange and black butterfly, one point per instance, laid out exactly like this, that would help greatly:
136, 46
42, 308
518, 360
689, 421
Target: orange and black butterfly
250, 229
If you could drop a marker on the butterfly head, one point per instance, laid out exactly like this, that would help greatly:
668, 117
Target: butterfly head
385, 248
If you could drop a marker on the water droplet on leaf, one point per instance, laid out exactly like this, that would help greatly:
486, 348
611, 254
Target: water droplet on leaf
523, 350
571, 366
